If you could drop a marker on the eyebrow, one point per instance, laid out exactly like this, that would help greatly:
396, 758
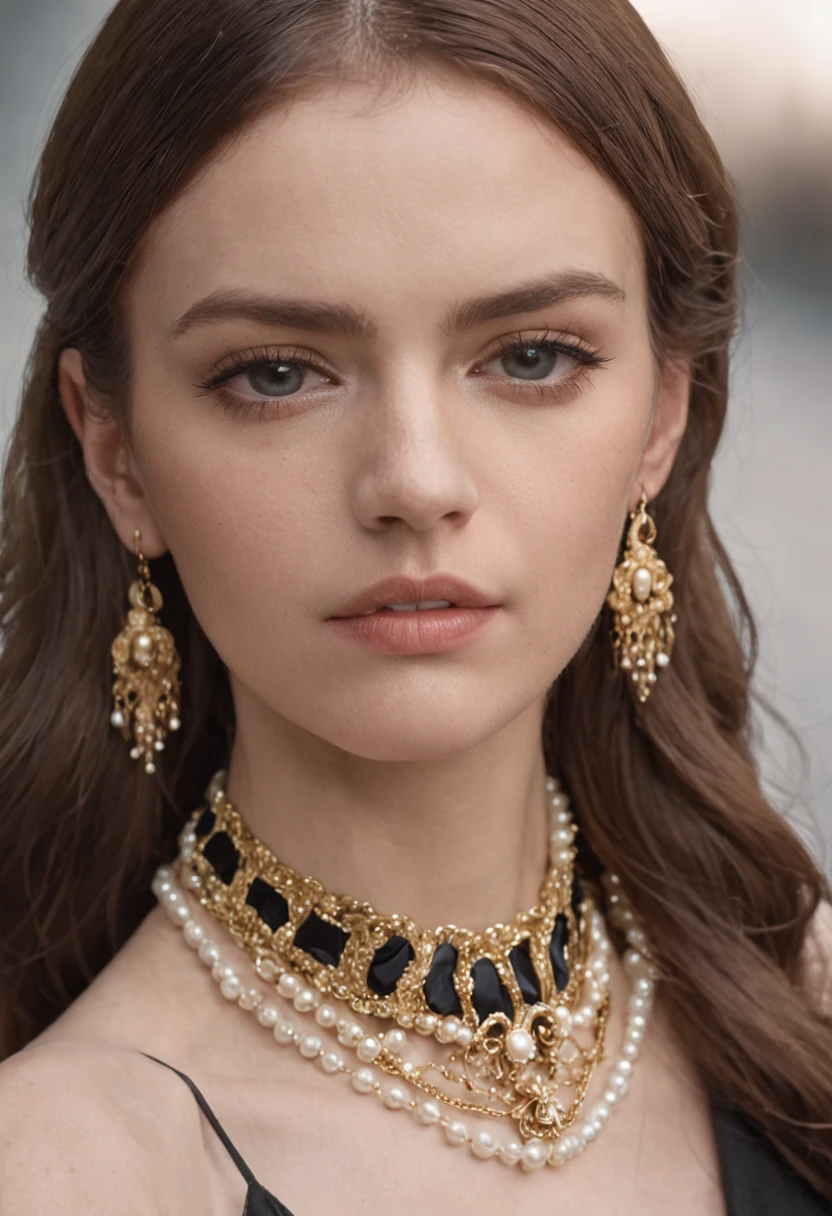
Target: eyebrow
343, 319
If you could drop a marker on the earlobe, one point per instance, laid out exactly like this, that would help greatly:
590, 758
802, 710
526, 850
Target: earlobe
670, 417
107, 459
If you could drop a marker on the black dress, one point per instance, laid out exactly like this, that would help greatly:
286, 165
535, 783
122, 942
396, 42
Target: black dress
755, 1179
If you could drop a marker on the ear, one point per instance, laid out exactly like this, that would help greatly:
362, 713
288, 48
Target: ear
670, 417
111, 467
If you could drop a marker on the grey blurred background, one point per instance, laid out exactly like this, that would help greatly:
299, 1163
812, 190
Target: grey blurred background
762, 79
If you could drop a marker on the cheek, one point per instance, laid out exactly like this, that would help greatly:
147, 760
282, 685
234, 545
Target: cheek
570, 502
246, 529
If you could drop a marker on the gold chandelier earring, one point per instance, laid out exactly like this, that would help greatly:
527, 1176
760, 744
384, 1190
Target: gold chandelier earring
642, 605
146, 665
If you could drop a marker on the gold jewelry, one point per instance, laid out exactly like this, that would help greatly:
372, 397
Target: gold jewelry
642, 604
145, 664
380, 1069
523, 1004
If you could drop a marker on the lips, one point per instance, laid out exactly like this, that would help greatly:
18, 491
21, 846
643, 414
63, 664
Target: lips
404, 590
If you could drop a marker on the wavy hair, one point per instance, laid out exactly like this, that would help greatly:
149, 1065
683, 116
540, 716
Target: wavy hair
668, 793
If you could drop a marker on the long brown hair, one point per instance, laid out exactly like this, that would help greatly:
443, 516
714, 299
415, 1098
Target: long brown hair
668, 793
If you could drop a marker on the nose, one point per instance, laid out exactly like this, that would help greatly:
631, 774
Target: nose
412, 465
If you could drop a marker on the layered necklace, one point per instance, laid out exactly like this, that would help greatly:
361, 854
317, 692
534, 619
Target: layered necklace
519, 1010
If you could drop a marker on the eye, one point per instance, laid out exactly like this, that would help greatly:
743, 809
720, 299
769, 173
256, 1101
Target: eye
274, 377
540, 363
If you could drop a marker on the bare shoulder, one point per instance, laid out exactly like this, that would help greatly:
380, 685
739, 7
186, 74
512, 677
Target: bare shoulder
88, 1127
817, 959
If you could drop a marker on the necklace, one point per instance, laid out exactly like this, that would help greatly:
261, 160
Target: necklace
510, 1057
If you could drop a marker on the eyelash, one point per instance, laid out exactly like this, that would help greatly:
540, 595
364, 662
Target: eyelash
564, 390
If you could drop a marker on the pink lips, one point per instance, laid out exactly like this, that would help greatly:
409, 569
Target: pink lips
419, 631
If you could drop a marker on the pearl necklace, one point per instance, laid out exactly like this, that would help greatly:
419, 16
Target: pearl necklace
375, 1049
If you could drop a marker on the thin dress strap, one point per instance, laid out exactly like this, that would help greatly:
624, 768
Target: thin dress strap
212, 1119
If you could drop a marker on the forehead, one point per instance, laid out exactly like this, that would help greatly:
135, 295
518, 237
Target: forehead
452, 183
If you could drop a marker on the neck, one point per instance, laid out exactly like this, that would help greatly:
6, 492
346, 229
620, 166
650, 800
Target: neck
457, 840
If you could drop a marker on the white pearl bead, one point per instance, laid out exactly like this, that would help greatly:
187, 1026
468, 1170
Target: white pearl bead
325, 1016
117, 718
624, 1068
395, 1039
427, 1112
426, 1023
483, 1146
221, 971
363, 1080
599, 1113
209, 953
395, 1098
510, 1153
464, 1036
180, 913
565, 1149
288, 985
267, 1014
304, 1001
448, 1029
266, 969
250, 999
349, 1034
534, 1156
193, 933
456, 1133
331, 1062
559, 1154
310, 1046
629, 1051
588, 1132
368, 1049
520, 1046
231, 987
284, 1033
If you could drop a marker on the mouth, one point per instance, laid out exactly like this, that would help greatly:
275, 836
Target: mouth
405, 595
427, 606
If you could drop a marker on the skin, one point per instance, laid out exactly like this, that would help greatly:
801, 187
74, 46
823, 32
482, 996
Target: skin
416, 782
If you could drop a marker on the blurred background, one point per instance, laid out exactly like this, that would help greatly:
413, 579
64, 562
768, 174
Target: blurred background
761, 76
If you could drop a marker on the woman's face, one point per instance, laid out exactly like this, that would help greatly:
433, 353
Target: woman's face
399, 436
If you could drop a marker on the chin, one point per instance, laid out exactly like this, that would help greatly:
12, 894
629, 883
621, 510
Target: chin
416, 729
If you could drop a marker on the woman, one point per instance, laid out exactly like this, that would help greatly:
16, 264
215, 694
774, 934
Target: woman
384, 359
